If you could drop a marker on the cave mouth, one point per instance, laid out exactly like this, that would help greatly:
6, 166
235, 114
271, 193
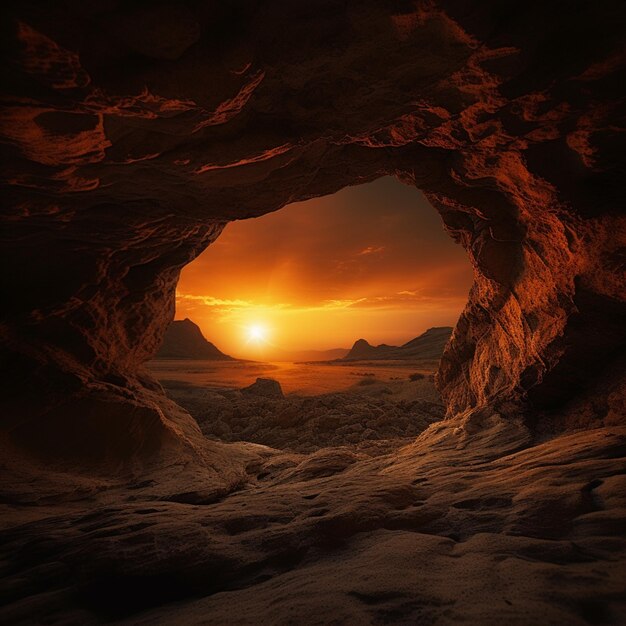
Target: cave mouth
339, 307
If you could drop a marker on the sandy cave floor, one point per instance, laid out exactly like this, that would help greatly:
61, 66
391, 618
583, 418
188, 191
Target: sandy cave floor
469, 522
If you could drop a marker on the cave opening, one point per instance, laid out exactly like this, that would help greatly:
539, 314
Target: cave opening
347, 299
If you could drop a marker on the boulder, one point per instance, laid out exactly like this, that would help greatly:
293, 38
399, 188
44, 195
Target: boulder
264, 387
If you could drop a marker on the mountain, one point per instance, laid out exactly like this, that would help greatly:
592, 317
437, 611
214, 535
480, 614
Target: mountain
364, 350
184, 340
428, 346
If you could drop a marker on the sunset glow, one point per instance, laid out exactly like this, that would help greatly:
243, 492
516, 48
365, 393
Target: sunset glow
257, 334
371, 261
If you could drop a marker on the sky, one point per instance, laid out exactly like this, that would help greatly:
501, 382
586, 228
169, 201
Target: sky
371, 261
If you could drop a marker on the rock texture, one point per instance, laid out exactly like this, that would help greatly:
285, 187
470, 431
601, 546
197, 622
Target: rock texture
133, 132
448, 530
184, 340
428, 346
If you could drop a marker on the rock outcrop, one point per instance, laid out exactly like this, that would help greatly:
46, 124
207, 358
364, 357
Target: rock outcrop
131, 135
430, 345
264, 388
184, 340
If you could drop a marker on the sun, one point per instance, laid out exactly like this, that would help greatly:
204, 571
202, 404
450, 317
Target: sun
257, 333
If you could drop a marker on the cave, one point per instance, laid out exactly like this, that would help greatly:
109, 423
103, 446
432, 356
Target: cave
132, 133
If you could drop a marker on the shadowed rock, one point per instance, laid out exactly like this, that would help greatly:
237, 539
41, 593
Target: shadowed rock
265, 387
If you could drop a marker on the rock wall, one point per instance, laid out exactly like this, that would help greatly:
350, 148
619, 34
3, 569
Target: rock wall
132, 132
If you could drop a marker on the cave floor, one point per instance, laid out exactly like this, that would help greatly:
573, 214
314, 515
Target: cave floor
470, 523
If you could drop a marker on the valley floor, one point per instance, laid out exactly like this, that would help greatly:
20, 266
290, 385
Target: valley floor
373, 407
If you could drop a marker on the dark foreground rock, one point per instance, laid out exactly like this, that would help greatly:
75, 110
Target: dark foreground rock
470, 524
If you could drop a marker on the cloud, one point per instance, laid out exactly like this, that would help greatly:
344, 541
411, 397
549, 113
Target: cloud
403, 300
337, 304
213, 302
372, 250
408, 293
222, 305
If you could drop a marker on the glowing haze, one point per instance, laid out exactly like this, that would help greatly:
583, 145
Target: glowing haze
371, 261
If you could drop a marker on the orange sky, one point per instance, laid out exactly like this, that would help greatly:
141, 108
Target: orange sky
371, 261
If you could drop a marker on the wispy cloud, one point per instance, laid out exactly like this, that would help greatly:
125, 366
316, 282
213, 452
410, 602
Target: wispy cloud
372, 250
340, 304
408, 293
212, 301
229, 305
227, 308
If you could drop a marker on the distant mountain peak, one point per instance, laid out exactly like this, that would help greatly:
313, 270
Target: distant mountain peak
184, 340
429, 346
